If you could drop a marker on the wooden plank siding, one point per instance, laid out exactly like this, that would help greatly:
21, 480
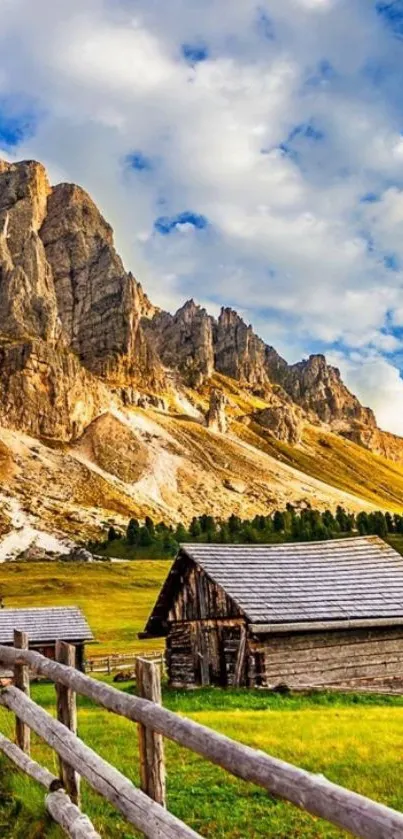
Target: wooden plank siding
199, 598
359, 659
206, 653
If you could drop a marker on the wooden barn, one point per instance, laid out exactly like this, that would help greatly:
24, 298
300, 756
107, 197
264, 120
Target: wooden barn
45, 626
307, 615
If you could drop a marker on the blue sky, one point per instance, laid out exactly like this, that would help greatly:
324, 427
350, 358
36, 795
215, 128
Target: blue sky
247, 154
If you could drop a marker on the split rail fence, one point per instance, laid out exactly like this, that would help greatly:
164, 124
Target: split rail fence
114, 662
145, 808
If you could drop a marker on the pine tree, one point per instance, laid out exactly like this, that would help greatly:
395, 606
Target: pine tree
132, 532
181, 534
112, 534
195, 528
149, 524
145, 537
278, 521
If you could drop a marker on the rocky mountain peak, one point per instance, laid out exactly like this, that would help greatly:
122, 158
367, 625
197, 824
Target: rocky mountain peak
28, 306
99, 303
185, 341
238, 352
73, 309
317, 387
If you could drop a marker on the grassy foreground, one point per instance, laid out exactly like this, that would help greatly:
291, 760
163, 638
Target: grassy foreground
354, 741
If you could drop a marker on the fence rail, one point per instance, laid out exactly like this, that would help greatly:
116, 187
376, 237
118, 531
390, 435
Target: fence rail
114, 662
314, 793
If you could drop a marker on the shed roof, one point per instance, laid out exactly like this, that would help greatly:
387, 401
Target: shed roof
309, 582
64, 623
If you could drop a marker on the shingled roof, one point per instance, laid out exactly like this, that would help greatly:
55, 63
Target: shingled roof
300, 583
63, 623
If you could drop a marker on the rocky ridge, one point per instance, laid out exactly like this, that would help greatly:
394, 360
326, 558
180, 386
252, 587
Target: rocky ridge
86, 360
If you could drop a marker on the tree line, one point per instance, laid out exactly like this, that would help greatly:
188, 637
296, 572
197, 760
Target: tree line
290, 524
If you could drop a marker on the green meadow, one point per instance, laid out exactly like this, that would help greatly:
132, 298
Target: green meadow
355, 741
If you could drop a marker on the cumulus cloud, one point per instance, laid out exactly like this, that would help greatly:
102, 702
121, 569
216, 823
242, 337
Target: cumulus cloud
377, 382
277, 123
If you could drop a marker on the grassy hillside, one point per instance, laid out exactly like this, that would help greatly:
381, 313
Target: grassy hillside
337, 462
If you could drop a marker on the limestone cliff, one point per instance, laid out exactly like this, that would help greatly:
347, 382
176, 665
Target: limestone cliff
282, 419
28, 306
185, 341
240, 353
79, 338
319, 389
100, 305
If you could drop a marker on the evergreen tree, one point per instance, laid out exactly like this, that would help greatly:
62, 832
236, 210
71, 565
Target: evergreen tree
112, 534
378, 523
278, 521
149, 524
342, 519
195, 529
390, 525
181, 534
145, 538
363, 523
132, 532
250, 534
169, 544
234, 524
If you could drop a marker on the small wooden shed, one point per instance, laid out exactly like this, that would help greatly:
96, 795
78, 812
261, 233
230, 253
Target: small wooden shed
45, 626
307, 615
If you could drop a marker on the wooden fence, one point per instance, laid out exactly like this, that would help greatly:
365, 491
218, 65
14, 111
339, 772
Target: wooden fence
114, 662
145, 808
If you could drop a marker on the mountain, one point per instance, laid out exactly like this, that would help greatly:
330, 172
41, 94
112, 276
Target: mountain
110, 407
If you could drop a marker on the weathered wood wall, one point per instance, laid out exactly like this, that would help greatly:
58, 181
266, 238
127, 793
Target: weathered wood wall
198, 598
206, 652
359, 659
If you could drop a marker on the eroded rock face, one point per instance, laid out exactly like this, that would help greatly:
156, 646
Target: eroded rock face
28, 306
46, 391
282, 419
185, 341
100, 305
215, 417
318, 388
238, 351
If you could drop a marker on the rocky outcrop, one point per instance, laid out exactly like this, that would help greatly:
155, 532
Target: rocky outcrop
100, 305
240, 353
46, 391
282, 419
215, 417
28, 306
319, 389
377, 441
184, 341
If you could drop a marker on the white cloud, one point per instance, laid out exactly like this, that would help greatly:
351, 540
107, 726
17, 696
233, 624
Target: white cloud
377, 383
289, 241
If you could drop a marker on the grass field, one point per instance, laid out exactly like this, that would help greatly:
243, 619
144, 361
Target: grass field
354, 741
116, 598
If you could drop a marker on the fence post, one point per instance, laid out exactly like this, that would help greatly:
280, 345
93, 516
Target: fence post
67, 714
21, 681
151, 744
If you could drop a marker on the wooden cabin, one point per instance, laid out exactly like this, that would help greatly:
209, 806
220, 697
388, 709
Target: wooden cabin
45, 626
307, 615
